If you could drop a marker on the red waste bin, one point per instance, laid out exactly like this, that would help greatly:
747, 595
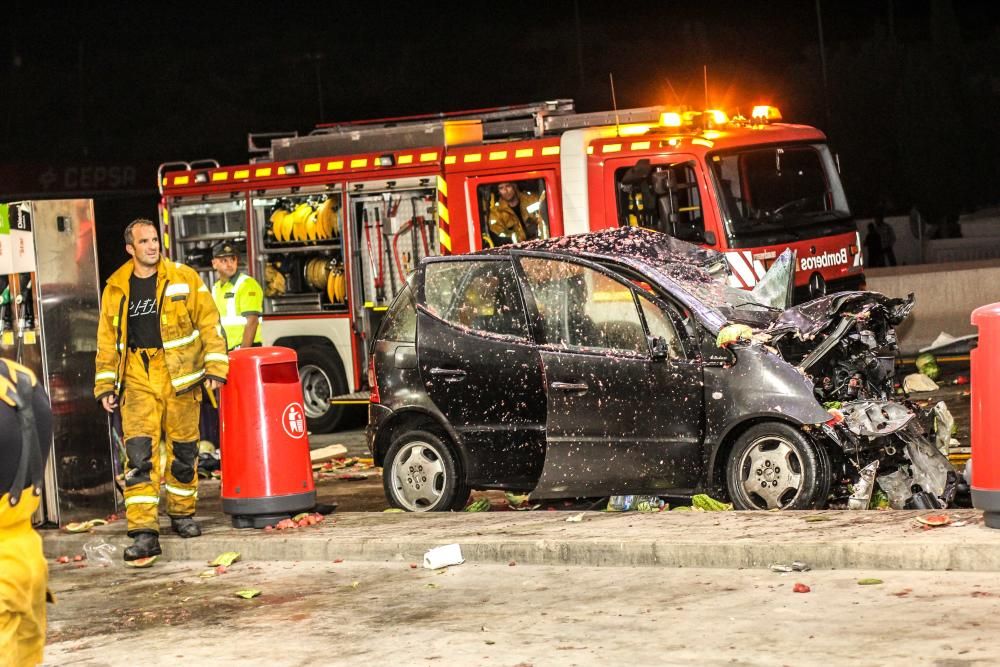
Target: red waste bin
985, 371
266, 470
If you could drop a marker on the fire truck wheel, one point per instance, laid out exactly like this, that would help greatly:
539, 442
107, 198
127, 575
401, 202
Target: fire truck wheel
421, 474
775, 466
322, 378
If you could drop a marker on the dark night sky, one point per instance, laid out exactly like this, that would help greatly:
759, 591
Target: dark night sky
153, 82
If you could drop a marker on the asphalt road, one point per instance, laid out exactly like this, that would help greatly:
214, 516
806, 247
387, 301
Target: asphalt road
328, 613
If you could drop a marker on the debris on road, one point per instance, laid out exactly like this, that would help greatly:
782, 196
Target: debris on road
800, 588
481, 504
918, 382
869, 582
576, 518
142, 562
99, 552
927, 365
934, 520
248, 593
794, 566
707, 503
226, 559
637, 503
84, 526
443, 556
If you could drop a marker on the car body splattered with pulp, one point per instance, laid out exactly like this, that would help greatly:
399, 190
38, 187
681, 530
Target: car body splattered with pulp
620, 362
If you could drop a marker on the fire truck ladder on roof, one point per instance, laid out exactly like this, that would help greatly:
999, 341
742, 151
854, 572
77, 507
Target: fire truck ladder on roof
481, 125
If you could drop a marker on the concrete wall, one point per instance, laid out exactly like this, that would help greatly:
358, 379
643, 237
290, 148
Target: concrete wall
946, 295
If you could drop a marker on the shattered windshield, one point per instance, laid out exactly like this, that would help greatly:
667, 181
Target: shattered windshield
778, 188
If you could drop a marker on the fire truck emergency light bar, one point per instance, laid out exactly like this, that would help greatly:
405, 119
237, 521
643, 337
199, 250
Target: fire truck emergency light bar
677, 120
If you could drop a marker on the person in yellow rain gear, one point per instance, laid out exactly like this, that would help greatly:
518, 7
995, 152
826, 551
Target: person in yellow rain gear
238, 297
515, 217
25, 436
158, 341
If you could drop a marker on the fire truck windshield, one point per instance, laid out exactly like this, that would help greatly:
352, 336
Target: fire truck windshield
790, 191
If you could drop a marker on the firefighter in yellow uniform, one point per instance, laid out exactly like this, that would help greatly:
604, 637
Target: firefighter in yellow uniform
25, 436
158, 341
238, 297
516, 217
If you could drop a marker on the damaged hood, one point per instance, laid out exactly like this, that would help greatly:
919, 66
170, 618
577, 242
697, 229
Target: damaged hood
808, 319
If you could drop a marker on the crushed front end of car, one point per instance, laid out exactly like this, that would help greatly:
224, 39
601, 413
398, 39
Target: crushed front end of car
845, 345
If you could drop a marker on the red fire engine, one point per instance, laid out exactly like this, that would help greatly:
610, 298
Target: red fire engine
334, 221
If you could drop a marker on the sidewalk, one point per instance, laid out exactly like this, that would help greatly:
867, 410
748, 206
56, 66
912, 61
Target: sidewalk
887, 540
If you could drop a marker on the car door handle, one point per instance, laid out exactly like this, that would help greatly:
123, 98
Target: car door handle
449, 374
570, 386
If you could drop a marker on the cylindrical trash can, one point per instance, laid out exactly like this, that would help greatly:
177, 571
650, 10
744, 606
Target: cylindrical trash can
985, 363
266, 470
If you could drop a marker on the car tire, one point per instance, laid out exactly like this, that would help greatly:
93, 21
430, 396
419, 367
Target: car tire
775, 465
422, 474
322, 378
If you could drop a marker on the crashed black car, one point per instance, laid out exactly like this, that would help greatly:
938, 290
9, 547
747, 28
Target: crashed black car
619, 362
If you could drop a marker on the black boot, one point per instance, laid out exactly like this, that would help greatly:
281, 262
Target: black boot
146, 544
185, 526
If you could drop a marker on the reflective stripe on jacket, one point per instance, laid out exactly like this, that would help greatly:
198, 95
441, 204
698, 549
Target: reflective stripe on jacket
189, 329
236, 300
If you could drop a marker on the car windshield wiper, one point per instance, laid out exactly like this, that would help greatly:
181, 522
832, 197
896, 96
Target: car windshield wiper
746, 304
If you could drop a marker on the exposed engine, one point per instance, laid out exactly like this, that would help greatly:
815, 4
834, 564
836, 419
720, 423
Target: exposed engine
846, 344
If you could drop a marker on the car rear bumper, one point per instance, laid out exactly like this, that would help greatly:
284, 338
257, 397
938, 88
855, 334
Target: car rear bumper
377, 416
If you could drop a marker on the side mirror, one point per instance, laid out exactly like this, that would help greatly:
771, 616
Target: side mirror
659, 347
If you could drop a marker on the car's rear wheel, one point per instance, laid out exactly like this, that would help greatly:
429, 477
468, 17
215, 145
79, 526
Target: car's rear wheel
775, 466
421, 474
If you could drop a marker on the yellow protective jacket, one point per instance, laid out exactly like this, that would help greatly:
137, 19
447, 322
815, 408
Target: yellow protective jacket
193, 347
505, 223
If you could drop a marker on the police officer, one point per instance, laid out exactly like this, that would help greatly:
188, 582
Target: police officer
157, 342
25, 435
238, 297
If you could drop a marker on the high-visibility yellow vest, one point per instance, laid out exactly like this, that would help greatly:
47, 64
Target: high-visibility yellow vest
238, 298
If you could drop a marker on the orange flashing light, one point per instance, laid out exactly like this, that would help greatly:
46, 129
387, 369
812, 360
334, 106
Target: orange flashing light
670, 119
766, 113
632, 130
718, 117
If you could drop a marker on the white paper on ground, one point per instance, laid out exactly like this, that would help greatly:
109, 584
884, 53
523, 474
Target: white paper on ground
438, 557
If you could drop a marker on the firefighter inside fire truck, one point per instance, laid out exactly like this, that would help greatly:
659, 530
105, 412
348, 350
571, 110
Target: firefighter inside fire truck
512, 212
662, 197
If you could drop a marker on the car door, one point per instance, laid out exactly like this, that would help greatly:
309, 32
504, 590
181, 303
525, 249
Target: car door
617, 419
481, 369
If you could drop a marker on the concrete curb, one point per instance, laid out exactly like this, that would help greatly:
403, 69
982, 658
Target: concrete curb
843, 540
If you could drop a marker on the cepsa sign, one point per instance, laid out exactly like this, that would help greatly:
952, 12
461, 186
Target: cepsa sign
52, 179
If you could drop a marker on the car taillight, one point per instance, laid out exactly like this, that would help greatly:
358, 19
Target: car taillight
373, 397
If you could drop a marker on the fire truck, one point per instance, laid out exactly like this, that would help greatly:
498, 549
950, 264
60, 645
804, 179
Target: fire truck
334, 221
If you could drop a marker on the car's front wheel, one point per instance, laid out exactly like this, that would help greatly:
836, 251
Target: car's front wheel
775, 466
421, 474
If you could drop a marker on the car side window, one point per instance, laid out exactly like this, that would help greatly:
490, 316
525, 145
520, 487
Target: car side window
400, 323
581, 308
479, 295
661, 325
